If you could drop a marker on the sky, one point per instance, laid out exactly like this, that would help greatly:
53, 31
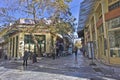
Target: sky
75, 7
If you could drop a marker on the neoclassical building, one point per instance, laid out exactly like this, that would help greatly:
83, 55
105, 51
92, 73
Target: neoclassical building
102, 28
23, 36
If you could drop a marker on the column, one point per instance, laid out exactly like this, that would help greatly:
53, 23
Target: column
104, 6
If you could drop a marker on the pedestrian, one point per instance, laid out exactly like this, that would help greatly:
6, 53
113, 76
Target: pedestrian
84, 50
57, 48
31, 54
34, 57
25, 58
53, 55
75, 51
5, 57
61, 49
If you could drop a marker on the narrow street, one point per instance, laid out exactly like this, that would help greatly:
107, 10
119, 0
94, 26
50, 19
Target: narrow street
62, 68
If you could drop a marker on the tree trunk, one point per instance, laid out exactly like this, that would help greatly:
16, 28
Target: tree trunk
37, 45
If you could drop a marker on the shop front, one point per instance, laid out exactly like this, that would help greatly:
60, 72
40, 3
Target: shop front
18, 42
114, 40
102, 45
30, 45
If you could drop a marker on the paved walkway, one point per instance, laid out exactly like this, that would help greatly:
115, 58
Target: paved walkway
62, 68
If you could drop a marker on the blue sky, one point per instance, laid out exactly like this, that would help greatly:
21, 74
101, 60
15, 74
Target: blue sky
75, 7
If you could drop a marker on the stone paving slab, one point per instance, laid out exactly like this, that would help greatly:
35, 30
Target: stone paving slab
62, 68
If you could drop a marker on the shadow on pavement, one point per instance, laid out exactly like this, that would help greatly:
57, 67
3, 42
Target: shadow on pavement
82, 72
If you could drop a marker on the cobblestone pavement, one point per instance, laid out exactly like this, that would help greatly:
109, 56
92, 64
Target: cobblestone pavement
62, 68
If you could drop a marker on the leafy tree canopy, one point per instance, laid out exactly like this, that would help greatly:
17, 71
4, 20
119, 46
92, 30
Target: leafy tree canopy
56, 10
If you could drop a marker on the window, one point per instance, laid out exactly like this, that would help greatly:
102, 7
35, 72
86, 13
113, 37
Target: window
114, 36
28, 39
109, 1
114, 23
101, 30
114, 6
114, 39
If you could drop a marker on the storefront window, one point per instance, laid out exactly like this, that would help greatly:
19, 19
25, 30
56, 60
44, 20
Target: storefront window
115, 5
118, 53
114, 39
16, 46
114, 23
114, 36
10, 46
101, 30
28, 39
30, 45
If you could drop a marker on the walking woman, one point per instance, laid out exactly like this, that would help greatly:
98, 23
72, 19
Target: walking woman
75, 51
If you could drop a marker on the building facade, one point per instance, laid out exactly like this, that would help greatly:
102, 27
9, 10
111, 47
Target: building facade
24, 35
103, 29
3, 44
85, 9
18, 38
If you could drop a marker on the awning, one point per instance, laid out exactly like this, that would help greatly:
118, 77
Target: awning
59, 35
68, 38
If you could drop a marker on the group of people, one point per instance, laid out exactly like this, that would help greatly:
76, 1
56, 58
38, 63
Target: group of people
59, 52
28, 54
60, 48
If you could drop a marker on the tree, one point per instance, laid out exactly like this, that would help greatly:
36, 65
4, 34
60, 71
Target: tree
55, 10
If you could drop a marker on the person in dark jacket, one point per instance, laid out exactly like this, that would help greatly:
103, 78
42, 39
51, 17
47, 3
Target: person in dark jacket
75, 50
61, 49
25, 58
57, 48
34, 57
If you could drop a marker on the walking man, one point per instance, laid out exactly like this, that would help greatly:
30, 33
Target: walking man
25, 58
34, 57
75, 51
57, 48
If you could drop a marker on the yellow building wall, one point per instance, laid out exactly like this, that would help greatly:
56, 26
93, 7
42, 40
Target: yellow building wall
11, 51
100, 9
48, 43
115, 60
20, 43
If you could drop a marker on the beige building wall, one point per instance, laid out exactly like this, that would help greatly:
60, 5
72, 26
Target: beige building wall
99, 13
17, 54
